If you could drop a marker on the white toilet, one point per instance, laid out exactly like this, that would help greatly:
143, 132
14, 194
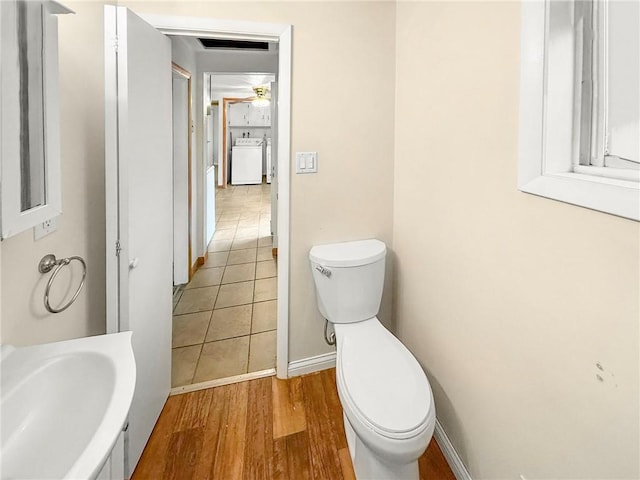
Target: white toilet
389, 414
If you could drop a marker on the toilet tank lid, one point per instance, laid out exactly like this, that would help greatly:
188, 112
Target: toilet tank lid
348, 254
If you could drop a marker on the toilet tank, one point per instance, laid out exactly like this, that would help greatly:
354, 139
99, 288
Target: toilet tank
349, 279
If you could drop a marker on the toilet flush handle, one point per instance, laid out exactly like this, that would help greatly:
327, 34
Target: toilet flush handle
324, 271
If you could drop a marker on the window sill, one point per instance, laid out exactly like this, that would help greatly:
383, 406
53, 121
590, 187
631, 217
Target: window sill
609, 195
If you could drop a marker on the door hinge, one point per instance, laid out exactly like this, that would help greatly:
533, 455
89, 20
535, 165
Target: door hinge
118, 248
115, 43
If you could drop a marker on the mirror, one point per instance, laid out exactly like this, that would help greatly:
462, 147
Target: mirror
29, 126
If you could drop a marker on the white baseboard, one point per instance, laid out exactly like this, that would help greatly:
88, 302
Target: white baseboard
312, 364
449, 452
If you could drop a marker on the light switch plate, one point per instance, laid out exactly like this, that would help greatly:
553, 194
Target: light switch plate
306, 162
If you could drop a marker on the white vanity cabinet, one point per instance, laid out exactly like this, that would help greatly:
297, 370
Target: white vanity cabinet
113, 468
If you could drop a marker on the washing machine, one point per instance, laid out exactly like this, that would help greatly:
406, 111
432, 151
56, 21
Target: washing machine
246, 161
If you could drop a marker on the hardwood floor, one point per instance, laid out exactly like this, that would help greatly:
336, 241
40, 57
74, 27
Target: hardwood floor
261, 429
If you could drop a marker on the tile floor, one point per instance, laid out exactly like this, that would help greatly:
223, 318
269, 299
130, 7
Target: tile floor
224, 320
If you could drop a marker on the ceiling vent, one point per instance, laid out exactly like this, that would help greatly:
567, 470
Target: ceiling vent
225, 44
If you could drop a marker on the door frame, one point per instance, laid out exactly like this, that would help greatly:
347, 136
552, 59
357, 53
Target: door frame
225, 157
187, 75
282, 34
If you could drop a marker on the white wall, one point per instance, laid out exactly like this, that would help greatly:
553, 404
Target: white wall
81, 228
508, 300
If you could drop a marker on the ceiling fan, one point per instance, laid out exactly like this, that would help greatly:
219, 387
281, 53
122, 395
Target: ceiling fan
262, 96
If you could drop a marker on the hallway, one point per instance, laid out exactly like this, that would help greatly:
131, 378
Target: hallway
224, 320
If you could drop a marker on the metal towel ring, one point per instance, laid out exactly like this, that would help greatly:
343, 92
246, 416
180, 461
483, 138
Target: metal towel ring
47, 264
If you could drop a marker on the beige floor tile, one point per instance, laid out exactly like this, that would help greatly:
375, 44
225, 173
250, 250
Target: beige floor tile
247, 232
265, 316
183, 364
262, 351
220, 246
242, 256
239, 273
229, 224
264, 253
206, 277
226, 217
190, 329
230, 322
221, 359
224, 234
196, 300
265, 241
216, 259
244, 243
266, 289
249, 216
266, 269
251, 222
264, 230
235, 294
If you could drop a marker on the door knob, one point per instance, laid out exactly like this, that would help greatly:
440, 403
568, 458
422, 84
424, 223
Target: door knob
133, 263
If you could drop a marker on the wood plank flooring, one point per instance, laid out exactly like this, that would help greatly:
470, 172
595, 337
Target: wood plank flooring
261, 429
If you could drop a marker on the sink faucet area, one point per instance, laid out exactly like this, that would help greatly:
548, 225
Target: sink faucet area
63, 406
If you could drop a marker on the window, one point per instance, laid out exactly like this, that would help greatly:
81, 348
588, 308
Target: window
580, 104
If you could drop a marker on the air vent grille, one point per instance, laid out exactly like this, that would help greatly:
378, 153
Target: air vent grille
226, 44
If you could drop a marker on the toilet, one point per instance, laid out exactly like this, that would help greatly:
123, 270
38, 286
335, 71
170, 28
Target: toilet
389, 414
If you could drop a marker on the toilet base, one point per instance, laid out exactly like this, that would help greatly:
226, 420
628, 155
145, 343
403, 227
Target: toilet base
368, 466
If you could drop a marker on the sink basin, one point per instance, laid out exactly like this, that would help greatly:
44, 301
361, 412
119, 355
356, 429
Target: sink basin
63, 406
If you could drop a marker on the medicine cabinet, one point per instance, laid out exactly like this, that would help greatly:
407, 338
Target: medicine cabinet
30, 114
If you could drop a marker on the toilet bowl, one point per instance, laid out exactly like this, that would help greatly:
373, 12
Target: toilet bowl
389, 413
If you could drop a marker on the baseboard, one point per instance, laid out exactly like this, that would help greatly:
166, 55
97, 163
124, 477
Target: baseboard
197, 264
311, 364
449, 452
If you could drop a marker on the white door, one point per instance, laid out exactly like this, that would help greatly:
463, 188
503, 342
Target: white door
180, 179
274, 163
139, 205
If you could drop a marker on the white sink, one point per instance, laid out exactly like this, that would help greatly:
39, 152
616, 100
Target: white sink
63, 406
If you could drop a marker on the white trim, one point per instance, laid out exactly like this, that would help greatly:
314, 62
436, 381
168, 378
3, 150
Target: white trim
450, 453
245, 377
281, 33
538, 162
312, 364
283, 151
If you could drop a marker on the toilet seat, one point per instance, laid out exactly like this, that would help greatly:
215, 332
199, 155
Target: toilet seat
381, 382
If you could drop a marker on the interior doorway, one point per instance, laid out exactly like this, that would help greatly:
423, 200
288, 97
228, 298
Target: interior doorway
225, 320
281, 34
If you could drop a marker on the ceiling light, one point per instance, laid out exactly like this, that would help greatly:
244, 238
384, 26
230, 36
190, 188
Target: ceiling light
261, 99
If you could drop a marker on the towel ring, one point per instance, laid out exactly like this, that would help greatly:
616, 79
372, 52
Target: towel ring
49, 263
